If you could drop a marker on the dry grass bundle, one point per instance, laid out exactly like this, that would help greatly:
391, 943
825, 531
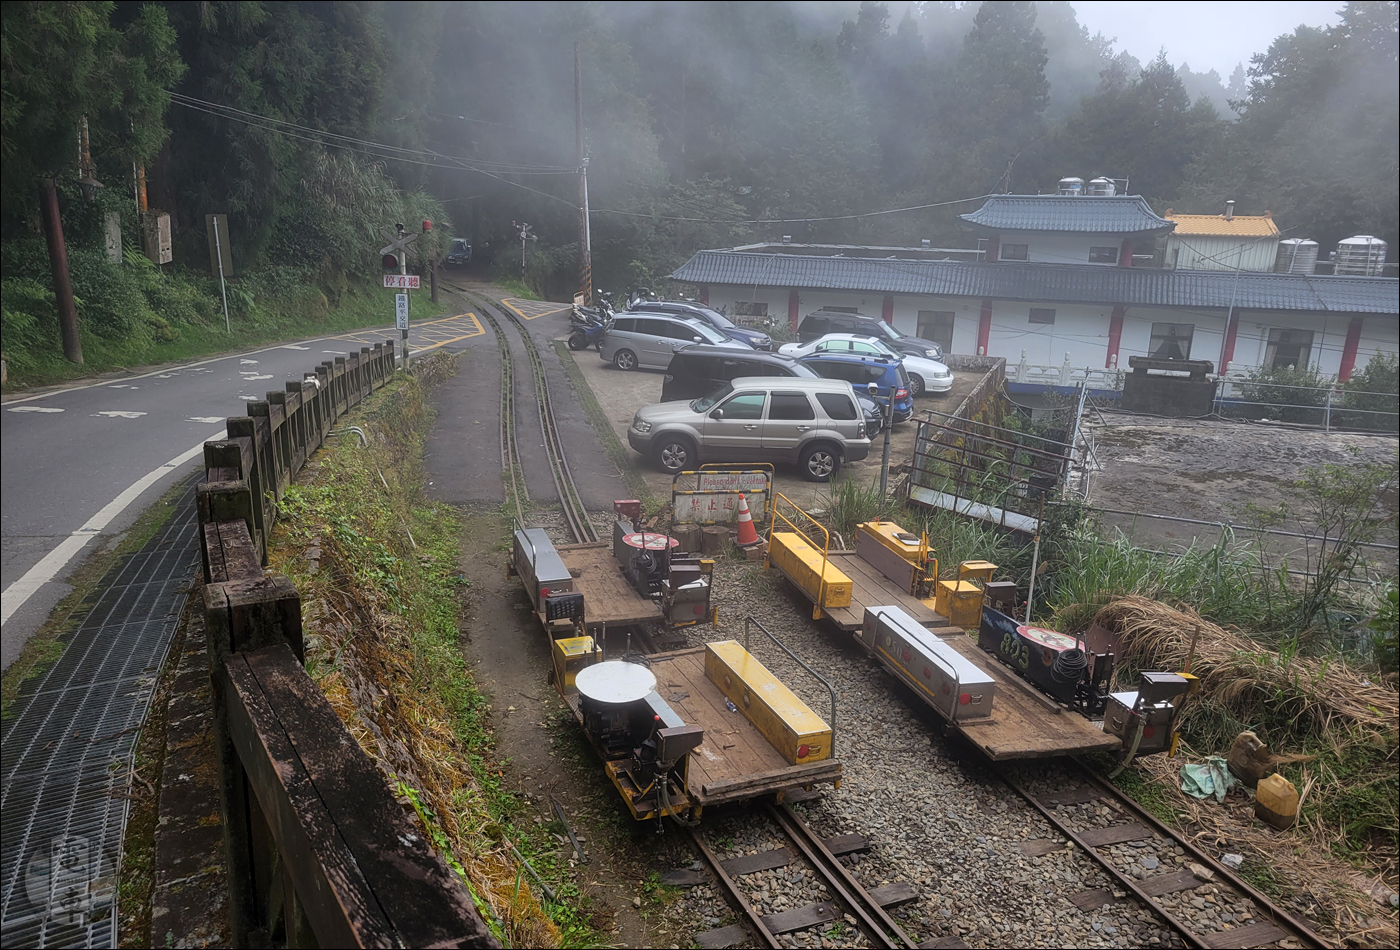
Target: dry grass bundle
1321, 697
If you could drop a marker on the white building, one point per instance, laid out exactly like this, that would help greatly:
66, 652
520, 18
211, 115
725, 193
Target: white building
1048, 294
1226, 241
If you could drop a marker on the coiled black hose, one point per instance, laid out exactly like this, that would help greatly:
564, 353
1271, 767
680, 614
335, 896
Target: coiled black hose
1070, 666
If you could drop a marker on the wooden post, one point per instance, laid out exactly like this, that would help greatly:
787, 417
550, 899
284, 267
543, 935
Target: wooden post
714, 539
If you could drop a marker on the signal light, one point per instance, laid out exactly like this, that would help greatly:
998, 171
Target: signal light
427, 224
390, 263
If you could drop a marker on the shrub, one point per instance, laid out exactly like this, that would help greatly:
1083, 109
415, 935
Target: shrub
1374, 389
28, 319
1293, 393
110, 301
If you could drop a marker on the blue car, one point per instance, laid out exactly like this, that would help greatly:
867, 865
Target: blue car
861, 371
698, 311
460, 254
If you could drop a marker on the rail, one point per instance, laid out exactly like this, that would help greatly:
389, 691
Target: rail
318, 849
751, 619
570, 501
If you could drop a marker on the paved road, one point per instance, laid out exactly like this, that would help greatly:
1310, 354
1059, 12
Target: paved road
81, 463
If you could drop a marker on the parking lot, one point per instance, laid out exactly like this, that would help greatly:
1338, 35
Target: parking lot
620, 394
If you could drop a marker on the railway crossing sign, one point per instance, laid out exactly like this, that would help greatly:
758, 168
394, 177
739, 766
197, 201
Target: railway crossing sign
401, 313
398, 243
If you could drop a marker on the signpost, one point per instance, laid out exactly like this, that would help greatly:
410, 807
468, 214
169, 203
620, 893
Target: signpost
398, 246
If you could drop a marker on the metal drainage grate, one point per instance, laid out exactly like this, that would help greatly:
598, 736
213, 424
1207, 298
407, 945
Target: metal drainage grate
66, 750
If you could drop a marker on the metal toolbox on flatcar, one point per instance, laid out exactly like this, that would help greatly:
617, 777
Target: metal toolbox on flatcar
946, 679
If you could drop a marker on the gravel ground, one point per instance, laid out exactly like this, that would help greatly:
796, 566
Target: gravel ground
934, 816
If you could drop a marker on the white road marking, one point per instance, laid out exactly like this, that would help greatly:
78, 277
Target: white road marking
246, 362
247, 398
48, 567
293, 346
208, 419
166, 376
119, 414
36, 409
123, 386
251, 377
336, 352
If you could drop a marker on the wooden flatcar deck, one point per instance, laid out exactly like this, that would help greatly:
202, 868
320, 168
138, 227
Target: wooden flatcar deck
735, 761
607, 597
1025, 723
870, 588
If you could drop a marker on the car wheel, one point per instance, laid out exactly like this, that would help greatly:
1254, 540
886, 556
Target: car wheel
674, 454
916, 385
820, 463
625, 360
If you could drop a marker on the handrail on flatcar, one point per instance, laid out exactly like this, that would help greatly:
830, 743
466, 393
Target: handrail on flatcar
751, 619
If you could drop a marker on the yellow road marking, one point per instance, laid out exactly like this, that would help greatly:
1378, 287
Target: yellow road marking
543, 313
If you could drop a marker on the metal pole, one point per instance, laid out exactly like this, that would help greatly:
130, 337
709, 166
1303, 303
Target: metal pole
1035, 557
223, 291
885, 452
585, 243
1327, 413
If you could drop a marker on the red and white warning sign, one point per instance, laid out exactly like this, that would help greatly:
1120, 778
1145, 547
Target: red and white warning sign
402, 281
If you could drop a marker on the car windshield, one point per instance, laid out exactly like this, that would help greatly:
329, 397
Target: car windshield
704, 403
888, 331
719, 320
459, 244
882, 346
710, 334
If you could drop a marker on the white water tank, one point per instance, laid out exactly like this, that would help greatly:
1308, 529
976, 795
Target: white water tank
1296, 256
1072, 186
1102, 188
1361, 256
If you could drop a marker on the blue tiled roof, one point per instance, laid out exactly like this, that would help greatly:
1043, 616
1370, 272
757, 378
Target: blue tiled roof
1068, 283
1123, 214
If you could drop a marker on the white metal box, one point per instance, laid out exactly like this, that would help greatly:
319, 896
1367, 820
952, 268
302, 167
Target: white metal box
948, 681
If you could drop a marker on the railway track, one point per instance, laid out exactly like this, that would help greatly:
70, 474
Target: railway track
570, 501
1208, 905
851, 901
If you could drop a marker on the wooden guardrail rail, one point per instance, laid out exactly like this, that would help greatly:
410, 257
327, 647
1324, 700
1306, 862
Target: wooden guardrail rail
319, 851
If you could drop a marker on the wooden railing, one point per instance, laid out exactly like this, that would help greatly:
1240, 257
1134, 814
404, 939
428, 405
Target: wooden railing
319, 851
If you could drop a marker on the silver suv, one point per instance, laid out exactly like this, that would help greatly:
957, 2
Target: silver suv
650, 340
815, 423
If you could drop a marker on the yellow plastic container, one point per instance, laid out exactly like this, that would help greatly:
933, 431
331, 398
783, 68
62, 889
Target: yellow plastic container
893, 537
1276, 802
571, 654
798, 734
976, 570
800, 561
960, 602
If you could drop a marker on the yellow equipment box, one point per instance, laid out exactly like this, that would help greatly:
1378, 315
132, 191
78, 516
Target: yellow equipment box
798, 734
571, 654
803, 563
960, 602
976, 570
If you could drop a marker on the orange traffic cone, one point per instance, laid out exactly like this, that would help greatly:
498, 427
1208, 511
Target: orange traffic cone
747, 534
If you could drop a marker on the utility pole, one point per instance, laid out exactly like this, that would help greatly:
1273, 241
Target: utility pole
58, 264
585, 238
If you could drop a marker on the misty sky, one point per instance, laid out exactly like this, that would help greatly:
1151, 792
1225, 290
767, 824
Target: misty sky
1206, 35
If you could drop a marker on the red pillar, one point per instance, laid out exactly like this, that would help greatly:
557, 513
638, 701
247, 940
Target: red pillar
1232, 329
887, 310
993, 252
793, 304
705, 294
1125, 253
984, 328
1349, 349
1115, 334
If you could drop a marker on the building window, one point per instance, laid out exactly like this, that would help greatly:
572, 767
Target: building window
1015, 252
750, 308
1171, 341
937, 325
1043, 315
1288, 348
1103, 255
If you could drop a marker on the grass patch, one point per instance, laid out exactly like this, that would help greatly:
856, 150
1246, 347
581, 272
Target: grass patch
47, 644
514, 288
380, 607
612, 445
276, 316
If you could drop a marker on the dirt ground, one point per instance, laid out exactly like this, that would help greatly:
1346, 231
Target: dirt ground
622, 394
1207, 470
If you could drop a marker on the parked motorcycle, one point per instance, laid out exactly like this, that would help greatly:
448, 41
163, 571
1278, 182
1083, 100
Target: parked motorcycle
588, 334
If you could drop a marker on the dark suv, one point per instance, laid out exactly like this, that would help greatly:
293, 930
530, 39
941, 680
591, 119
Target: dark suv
698, 311
819, 323
700, 369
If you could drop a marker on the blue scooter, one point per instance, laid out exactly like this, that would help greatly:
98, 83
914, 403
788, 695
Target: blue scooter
588, 333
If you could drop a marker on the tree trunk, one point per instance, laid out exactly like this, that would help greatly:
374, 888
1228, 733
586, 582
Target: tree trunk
58, 263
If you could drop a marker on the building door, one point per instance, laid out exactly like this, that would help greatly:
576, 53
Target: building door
937, 325
1288, 348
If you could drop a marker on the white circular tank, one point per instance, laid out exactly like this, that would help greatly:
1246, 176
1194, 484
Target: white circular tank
1296, 256
1361, 256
